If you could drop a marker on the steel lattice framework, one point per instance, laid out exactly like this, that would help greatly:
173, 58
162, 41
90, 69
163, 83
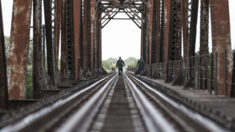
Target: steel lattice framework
73, 28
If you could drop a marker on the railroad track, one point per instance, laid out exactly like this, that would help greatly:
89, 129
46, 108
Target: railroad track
50, 117
116, 104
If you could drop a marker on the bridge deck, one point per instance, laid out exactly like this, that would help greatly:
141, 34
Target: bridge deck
205, 102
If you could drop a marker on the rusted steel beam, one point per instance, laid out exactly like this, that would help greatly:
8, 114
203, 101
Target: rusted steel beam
204, 48
143, 38
161, 43
167, 7
85, 36
63, 45
146, 35
77, 8
96, 40
222, 44
19, 44
175, 39
157, 46
37, 48
185, 26
3, 75
92, 19
49, 42
150, 30
70, 41
100, 45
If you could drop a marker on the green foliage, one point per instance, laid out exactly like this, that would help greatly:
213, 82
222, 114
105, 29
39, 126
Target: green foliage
29, 85
109, 64
131, 62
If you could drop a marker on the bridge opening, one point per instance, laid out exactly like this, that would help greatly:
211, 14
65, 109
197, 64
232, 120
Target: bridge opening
120, 38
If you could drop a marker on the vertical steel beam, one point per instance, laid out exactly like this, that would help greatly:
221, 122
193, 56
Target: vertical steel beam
167, 7
37, 48
189, 78
63, 44
204, 49
92, 19
100, 44
77, 8
158, 32
96, 40
150, 30
161, 45
70, 41
193, 29
85, 36
143, 37
185, 27
19, 45
50, 45
221, 43
3, 75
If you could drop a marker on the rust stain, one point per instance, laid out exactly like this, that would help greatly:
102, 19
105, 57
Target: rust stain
167, 4
221, 43
19, 44
77, 32
150, 29
92, 5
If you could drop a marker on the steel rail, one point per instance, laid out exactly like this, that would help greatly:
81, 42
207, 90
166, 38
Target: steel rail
48, 116
187, 119
81, 120
153, 119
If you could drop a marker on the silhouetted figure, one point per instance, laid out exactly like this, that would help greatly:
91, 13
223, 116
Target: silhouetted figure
120, 64
140, 66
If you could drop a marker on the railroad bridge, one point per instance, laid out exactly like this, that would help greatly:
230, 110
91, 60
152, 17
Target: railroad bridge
180, 90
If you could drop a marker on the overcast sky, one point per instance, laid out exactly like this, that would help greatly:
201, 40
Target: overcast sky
119, 38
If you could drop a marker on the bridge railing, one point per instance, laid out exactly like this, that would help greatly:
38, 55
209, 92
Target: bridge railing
212, 72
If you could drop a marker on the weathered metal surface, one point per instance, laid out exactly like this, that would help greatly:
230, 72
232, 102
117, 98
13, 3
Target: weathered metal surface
96, 38
77, 33
157, 46
150, 30
175, 31
63, 72
19, 44
92, 20
37, 48
85, 36
222, 43
70, 41
3, 75
167, 5
100, 46
49, 42
143, 38
161, 43
185, 27
204, 48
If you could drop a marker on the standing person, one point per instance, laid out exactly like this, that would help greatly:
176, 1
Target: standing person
120, 64
140, 65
